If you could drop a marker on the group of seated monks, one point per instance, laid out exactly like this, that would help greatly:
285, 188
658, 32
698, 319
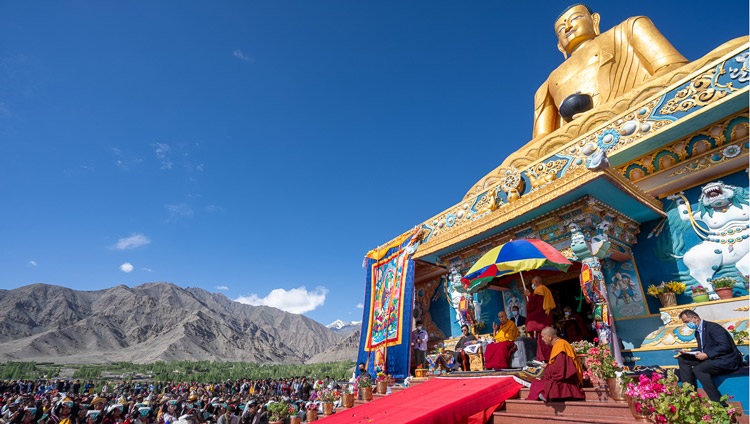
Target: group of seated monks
562, 377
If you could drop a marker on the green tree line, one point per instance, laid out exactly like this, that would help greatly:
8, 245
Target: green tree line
198, 371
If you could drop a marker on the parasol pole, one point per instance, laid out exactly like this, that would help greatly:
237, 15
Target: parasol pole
522, 282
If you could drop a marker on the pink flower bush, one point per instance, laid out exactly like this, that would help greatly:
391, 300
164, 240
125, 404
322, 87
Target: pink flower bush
600, 365
664, 400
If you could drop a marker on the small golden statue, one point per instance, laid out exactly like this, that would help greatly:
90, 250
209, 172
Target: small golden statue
599, 67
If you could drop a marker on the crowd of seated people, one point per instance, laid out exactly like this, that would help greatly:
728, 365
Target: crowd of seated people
243, 401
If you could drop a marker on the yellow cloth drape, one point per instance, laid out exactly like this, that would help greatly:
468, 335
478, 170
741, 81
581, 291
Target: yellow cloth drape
562, 346
507, 332
549, 300
377, 254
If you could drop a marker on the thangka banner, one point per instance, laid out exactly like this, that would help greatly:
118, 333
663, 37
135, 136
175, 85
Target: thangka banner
386, 318
387, 286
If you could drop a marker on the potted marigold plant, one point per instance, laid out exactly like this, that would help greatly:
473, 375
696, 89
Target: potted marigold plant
382, 381
666, 291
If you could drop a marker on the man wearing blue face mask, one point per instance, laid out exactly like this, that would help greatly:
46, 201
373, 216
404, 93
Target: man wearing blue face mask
716, 354
516, 317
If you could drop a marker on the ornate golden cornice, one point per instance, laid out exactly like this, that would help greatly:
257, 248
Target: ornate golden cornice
467, 226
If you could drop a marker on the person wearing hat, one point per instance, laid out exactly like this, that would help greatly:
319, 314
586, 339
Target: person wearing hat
114, 414
98, 403
62, 412
92, 416
24, 416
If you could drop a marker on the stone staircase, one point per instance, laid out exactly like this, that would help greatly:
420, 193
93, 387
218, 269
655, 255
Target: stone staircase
597, 408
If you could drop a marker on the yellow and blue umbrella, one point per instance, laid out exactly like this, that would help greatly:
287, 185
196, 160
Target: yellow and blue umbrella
514, 257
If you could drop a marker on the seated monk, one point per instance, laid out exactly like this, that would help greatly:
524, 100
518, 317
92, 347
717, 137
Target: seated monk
599, 67
563, 377
497, 354
467, 338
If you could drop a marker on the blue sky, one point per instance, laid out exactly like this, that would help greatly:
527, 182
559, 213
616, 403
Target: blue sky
261, 148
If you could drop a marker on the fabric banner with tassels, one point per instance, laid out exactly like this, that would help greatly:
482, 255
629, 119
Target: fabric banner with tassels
386, 321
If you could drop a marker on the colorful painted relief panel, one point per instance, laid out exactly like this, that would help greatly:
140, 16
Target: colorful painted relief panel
388, 280
692, 244
625, 292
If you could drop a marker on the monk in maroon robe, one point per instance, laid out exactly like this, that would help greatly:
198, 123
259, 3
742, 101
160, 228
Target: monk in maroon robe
563, 377
539, 306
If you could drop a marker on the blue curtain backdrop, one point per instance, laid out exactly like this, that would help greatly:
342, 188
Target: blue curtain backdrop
398, 356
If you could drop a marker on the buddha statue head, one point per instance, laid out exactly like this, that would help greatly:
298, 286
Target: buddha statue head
576, 25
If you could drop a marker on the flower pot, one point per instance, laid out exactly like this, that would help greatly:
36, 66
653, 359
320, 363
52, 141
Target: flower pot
327, 408
366, 393
311, 416
668, 299
295, 419
700, 298
276, 422
633, 410
616, 391
724, 292
347, 400
381, 387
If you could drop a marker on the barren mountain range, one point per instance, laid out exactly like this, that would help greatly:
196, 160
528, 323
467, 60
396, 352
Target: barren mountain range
157, 322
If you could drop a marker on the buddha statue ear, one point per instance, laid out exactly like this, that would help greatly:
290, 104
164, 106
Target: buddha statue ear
562, 50
595, 20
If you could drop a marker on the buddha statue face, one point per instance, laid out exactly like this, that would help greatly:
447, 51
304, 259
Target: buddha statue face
575, 26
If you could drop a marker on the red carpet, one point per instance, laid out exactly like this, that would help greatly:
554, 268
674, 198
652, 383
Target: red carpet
438, 401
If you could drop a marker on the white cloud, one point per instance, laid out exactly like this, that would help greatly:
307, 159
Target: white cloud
242, 56
224, 288
162, 153
296, 301
180, 210
131, 242
124, 159
360, 306
32, 263
126, 267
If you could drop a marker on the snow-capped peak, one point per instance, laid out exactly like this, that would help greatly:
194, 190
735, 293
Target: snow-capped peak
338, 324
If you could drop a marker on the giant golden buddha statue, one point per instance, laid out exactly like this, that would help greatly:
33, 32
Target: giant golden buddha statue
599, 67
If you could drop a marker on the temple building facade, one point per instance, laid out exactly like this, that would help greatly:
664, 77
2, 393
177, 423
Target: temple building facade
642, 165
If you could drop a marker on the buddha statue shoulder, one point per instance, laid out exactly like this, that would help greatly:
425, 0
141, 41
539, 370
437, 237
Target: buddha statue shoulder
599, 67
